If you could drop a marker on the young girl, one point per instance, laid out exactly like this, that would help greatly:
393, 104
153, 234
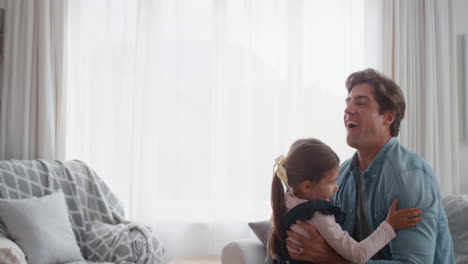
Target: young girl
309, 173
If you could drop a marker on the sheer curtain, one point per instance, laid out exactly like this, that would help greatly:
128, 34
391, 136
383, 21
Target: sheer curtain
182, 106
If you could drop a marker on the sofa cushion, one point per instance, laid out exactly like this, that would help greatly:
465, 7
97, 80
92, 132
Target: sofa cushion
456, 208
41, 227
261, 230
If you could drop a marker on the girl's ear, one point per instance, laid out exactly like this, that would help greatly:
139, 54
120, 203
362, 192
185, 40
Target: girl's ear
305, 187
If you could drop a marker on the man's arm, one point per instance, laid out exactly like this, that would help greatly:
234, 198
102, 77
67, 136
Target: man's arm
417, 189
315, 249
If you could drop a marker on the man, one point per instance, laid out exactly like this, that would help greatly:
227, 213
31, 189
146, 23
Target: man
380, 171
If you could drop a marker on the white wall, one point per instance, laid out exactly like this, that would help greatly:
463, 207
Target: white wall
460, 9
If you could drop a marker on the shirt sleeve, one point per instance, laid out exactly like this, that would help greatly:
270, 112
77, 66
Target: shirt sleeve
415, 189
345, 245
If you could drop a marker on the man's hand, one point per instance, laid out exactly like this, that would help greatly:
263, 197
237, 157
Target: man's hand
314, 249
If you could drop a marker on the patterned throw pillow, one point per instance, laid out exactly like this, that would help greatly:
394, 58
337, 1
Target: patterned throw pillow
10, 253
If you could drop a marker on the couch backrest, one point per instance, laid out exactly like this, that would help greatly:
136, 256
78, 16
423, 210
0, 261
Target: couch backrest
456, 208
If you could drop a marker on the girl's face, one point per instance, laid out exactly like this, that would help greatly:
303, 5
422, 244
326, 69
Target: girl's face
324, 189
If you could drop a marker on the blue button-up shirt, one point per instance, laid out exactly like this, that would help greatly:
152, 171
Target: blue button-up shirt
398, 173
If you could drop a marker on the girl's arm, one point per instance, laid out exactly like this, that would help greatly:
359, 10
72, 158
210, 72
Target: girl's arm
361, 252
345, 245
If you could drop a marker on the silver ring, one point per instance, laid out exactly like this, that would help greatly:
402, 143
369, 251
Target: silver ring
301, 250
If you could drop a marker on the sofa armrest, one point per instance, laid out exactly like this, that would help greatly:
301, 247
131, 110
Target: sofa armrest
246, 251
10, 252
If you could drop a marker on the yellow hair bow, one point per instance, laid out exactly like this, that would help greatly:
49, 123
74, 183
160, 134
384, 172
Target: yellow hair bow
280, 170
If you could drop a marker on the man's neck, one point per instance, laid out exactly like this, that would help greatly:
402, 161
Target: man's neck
367, 155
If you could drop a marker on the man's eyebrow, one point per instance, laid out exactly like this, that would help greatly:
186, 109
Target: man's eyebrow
359, 97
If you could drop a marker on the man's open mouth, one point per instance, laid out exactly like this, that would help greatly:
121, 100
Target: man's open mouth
351, 124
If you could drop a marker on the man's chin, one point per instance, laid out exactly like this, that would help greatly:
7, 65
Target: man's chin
352, 142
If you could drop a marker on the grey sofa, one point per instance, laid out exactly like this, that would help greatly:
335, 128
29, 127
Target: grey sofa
252, 251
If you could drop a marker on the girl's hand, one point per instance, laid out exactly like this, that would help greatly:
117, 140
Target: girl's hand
403, 218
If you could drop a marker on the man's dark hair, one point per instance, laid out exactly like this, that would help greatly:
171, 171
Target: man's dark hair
387, 93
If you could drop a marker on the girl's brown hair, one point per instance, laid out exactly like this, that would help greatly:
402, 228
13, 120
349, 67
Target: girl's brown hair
307, 159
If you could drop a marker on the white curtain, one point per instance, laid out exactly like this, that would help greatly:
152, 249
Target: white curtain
182, 106
419, 56
32, 92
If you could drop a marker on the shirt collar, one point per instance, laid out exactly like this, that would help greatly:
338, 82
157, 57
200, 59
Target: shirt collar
373, 168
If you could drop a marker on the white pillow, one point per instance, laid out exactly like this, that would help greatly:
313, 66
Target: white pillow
41, 227
456, 208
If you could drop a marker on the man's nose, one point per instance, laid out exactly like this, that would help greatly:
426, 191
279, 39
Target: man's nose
349, 109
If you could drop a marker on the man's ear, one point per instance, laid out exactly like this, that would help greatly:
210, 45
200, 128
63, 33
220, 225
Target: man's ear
389, 117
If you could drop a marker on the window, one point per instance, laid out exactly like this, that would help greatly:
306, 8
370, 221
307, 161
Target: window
182, 106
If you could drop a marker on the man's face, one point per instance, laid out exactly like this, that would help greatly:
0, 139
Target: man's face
366, 127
